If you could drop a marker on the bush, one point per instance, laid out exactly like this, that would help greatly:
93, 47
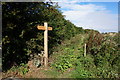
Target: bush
20, 35
93, 43
105, 53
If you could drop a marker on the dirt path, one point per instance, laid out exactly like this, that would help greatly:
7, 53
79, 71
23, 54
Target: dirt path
35, 73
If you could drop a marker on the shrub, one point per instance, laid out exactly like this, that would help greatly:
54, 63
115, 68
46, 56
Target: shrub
93, 43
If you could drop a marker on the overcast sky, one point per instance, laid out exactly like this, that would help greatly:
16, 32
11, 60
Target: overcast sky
101, 16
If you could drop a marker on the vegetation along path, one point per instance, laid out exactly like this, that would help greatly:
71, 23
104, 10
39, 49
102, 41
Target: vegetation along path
22, 41
68, 58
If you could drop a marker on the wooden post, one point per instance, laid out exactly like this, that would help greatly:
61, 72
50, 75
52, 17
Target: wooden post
46, 44
85, 50
46, 28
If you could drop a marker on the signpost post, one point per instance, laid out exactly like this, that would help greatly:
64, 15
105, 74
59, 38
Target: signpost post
45, 28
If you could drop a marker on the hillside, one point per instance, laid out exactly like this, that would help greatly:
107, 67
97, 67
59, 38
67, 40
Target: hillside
103, 62
68, 58
22, 45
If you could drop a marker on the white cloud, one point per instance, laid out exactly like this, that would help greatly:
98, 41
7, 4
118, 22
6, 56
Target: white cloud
73, 1
90, 16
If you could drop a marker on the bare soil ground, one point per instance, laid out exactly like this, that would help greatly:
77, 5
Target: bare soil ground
33, 72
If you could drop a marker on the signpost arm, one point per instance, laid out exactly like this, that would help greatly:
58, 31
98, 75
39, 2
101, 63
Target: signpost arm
46, 44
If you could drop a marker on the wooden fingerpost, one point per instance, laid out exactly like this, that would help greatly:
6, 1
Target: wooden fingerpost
46, 44
46, 28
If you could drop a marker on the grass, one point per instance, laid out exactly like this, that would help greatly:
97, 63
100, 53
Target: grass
66, 54
68, 61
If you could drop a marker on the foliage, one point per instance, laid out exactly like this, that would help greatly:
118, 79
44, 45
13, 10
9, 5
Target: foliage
105, 54
20, 36
81, 73
22, 69
88, 31
104, 63
93, 43
65, 61
117, 38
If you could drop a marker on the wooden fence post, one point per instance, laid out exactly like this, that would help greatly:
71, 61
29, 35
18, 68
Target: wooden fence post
85, 50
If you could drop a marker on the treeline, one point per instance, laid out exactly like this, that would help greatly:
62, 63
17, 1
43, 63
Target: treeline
20, 36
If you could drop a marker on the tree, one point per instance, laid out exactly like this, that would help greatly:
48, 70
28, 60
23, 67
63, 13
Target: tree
20, 36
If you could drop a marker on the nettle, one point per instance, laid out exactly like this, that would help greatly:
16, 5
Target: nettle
65, 61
